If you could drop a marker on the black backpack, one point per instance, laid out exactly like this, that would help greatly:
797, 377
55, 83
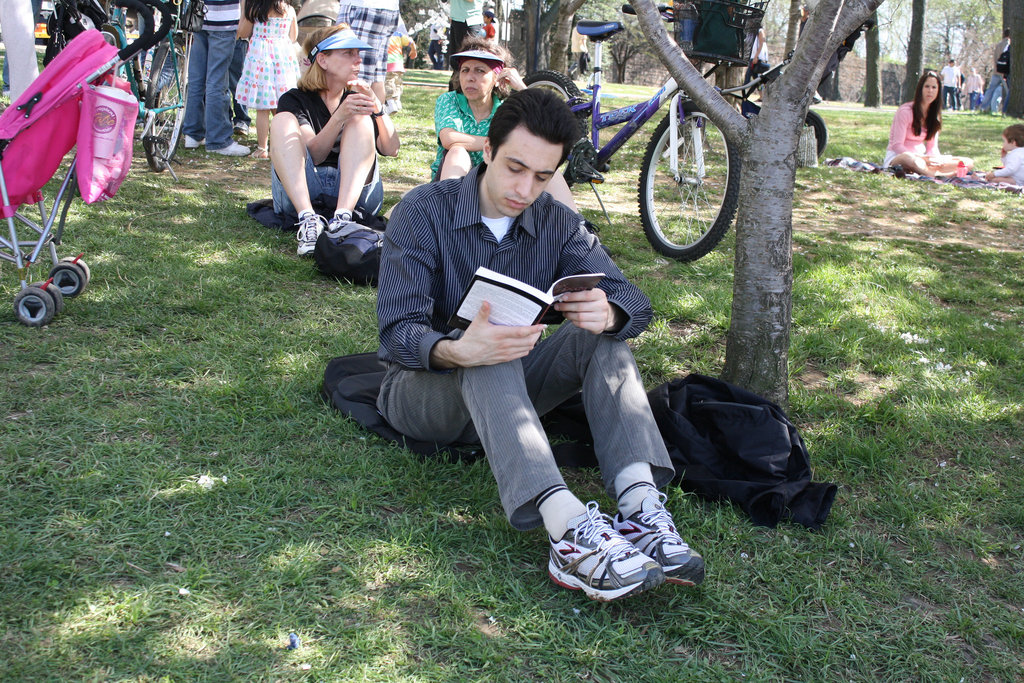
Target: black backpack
1003, 63
353, 253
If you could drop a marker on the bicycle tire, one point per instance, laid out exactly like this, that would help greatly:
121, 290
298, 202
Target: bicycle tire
814, 120
687, 218
162, 132
563, 86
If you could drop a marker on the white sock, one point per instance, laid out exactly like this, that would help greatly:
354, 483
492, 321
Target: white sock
632, 484
305, 212
343, 214
557, 509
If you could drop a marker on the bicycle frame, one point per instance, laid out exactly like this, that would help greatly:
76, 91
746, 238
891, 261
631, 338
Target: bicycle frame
118, 22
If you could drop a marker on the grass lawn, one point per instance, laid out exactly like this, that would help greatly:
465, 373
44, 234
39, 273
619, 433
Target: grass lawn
177, 499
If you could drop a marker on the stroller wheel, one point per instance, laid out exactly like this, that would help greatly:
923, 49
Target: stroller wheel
70, 277
54, 291
34, 307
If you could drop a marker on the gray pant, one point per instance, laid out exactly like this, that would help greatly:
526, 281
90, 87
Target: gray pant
500, 406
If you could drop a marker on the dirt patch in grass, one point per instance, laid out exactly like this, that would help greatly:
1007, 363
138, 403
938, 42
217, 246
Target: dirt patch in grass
860, 218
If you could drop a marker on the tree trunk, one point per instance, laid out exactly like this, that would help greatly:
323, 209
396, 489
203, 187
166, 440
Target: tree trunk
915, 49
873, 77
1013, 18
757, 348
793, 31
561, 33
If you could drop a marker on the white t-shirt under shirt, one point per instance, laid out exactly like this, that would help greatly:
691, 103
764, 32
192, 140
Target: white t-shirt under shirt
497, 226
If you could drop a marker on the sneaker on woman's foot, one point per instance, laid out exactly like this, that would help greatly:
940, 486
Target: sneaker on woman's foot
594, 558
309, 228
652, 531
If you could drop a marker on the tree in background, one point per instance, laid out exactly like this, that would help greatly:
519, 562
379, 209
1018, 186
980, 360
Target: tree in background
757, 347
793, 28
873, 70
915, 49
1013, 19
560, 37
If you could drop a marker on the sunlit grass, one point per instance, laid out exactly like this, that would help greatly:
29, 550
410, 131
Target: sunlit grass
197, 353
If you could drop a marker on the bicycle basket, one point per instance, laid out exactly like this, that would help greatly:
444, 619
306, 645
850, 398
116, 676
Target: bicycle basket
718, 30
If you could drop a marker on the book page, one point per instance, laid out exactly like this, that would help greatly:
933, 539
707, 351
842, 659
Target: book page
507, 307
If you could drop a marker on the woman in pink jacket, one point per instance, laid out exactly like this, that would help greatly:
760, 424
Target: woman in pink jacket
914, 136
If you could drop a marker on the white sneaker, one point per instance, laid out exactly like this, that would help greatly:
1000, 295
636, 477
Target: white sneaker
309, 228
232, 150
192, 143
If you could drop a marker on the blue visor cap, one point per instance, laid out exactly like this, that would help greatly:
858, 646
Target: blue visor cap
342, 40
482, 55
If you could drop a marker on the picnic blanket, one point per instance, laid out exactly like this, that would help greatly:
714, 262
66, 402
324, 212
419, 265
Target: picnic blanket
970, 181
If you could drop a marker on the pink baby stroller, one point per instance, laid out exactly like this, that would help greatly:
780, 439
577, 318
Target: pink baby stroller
77, 98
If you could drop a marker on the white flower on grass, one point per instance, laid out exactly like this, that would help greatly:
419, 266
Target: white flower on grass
943, 367
224, 478
913, 338
184, 591
942, 464
205, 481
923, 360
988, 326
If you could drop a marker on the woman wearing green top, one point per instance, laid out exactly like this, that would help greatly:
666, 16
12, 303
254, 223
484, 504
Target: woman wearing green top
462, 117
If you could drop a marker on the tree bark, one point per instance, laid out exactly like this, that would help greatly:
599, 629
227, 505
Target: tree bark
561, 33
1013, 18
915, 48
873, 77
757, 348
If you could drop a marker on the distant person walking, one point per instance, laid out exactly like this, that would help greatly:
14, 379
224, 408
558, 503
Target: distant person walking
998, 88
435, 50
974, 89
373, 21
19, 44
950, 84
467, 21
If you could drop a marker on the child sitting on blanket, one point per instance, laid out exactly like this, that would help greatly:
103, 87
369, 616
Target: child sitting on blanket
1013, 157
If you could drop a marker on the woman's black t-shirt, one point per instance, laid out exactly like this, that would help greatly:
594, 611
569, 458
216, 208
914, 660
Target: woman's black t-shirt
309, 108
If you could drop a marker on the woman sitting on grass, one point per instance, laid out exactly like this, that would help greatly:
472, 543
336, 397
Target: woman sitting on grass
483, 78
914, 136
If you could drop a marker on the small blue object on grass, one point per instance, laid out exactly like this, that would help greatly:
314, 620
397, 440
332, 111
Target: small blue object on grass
293, 642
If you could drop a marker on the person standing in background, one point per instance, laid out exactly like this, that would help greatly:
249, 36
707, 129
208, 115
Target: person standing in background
950, 82
398, 46
240, 119
489, 27
208, 106
436, 50
373, 22
18, 20
973, 88
997, 85
467, 20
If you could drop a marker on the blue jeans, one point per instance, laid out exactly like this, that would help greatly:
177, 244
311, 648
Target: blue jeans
207, 110
996, 87
323, 183
239, 114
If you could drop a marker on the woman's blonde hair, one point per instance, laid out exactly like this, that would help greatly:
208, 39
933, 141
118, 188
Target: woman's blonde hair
501, 90
314, 79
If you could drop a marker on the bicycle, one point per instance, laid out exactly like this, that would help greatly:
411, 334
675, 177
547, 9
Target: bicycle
161, 86
689, 180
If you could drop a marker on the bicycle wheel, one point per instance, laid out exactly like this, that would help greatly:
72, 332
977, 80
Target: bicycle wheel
166, 91
562, 86
814, 120
686, 215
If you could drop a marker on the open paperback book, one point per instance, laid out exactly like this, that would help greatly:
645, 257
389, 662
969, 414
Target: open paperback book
514, 302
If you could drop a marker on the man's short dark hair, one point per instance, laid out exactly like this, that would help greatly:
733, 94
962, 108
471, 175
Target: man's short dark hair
542, 113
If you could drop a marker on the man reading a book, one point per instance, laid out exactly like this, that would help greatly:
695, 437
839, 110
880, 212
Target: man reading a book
491, 383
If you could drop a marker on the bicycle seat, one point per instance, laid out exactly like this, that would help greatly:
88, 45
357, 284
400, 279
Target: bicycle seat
598, 30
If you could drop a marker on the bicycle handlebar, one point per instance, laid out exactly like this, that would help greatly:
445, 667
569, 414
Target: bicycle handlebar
149, 38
